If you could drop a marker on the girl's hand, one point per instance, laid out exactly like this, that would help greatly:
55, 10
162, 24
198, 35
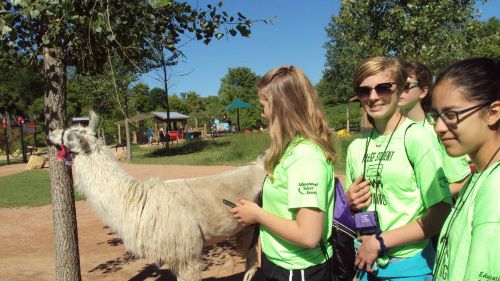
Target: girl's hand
359, 195
246, 212
367, 253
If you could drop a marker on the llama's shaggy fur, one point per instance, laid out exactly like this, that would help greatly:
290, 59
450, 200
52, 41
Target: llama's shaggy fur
164, 221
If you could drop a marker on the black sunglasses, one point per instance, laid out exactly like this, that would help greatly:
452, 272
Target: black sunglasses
383, 90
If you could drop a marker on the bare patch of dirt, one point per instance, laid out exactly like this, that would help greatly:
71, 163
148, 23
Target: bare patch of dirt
27, 244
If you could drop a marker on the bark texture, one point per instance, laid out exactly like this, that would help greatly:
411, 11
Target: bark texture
63, 200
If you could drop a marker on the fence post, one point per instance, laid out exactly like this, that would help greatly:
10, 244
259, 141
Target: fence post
5, 120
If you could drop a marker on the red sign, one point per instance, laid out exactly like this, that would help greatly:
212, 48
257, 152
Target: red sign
4, 123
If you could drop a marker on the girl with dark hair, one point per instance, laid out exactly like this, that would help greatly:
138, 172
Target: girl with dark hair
466, 117
412, 102
394, 173
298, 193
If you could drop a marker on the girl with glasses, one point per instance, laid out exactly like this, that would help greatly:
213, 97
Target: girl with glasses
395, 172
466, 115
298, 193
412, 102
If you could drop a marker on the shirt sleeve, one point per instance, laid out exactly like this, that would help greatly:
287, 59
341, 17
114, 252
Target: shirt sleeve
455, 168
307, 184
486, 208
423, 152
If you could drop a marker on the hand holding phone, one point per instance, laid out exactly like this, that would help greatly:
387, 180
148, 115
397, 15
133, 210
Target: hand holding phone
229, 203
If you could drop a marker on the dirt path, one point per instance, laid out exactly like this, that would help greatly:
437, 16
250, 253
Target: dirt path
27, 245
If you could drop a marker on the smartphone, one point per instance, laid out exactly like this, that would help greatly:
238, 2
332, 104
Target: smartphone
229, 203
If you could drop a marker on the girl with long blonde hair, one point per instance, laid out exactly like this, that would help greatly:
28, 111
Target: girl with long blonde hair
298, 194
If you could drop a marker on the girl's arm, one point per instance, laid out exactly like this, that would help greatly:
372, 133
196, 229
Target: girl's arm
427, 226
306, 231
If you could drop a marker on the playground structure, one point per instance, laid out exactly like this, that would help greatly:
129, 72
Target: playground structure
14, 137
176, 132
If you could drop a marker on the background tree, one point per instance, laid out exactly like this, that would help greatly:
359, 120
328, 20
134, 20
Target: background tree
20, 83
241, 82
488, 44
158, 98
142, 98
433, 32
83, 34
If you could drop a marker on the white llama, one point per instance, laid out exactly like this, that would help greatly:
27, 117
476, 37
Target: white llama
163, 221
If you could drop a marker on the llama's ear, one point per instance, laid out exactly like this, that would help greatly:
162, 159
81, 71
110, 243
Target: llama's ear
94, 120
84, 144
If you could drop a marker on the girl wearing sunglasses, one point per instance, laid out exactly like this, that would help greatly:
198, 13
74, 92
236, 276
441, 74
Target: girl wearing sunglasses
466, 115
298, 193
395, 170
411, 102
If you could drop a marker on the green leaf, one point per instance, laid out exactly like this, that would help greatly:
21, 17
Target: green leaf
6, 30
111, 37
159, 3
34, 14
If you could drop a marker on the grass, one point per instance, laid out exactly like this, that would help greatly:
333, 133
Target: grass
235, 149
344, 144
232, 149
28, 188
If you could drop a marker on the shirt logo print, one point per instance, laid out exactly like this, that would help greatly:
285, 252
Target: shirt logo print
308, 187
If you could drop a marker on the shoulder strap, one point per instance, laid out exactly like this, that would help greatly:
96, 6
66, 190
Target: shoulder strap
256, 231
404, 143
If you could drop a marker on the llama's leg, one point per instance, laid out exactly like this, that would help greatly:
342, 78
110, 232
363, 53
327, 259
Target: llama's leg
243, 242
188, 251
251, 263
189, 271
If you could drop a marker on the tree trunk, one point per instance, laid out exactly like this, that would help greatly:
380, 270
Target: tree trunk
127, 136
63, 201
127, 129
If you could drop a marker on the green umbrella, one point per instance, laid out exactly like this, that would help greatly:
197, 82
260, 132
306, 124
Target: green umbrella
238, 104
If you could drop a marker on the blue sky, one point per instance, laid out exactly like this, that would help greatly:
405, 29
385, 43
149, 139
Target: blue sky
296, 37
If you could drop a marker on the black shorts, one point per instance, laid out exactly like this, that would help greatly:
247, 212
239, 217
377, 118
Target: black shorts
273, 272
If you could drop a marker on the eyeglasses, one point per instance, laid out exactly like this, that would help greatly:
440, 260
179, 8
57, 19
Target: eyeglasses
383, 90
450, 117
410, 85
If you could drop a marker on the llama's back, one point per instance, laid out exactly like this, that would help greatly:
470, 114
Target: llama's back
202, 198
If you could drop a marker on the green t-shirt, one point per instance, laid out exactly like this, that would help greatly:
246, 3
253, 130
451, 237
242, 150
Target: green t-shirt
473, 246
303, 178
401, 194
455, 168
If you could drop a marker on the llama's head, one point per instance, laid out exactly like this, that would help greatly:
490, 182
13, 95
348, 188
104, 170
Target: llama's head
76, 139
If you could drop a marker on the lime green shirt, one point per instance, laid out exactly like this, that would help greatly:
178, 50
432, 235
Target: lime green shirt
473, 248
401, 194
303, 178
455, 168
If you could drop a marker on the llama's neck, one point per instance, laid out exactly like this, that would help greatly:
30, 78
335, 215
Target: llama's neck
99, 174
105, 184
